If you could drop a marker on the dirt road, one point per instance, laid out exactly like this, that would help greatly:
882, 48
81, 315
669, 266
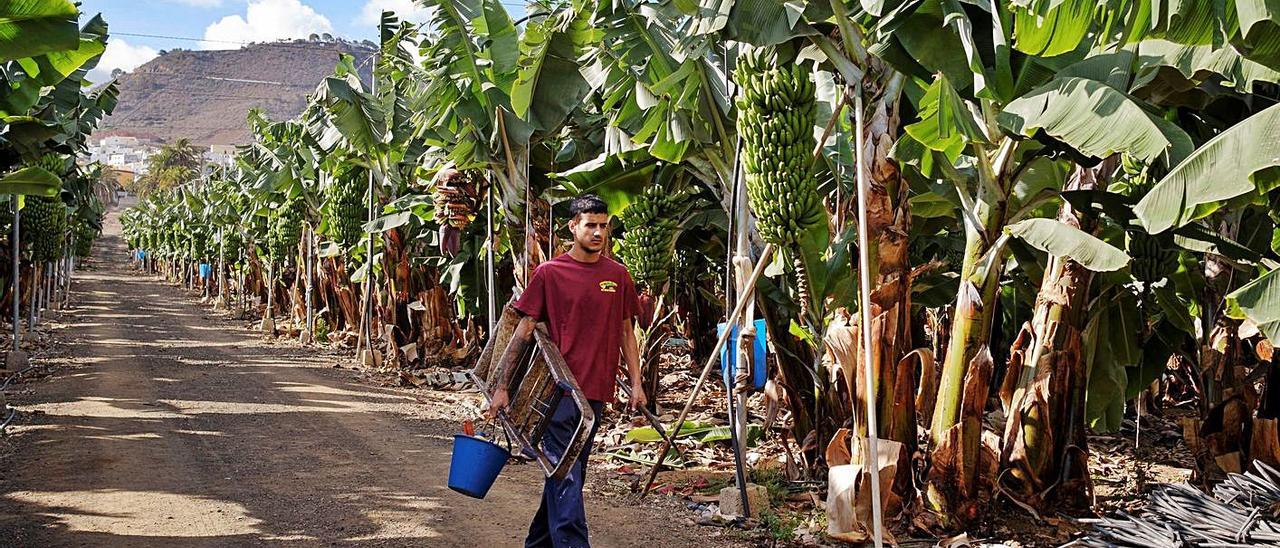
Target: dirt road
166, 426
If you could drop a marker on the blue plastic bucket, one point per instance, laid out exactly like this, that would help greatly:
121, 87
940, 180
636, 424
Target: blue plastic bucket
476, 464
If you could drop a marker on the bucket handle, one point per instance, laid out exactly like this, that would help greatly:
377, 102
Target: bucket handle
498, 425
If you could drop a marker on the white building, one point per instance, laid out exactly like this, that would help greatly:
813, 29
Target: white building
121, 152
223, 155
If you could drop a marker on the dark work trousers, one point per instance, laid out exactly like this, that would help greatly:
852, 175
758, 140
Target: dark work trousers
562, 521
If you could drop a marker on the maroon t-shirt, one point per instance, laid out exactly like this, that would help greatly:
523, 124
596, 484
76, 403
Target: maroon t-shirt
583, 305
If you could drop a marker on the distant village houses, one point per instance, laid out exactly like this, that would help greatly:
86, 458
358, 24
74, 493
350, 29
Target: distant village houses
123, 153
130, 154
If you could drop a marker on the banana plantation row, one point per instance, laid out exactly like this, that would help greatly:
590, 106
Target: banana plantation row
48, 109
1068, 203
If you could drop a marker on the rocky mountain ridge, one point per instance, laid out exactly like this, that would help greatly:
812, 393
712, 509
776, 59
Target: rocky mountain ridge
204, 95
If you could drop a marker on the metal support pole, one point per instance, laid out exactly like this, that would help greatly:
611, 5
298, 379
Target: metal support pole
43, 280
222, 250
366, 330
871, 461
60, 289
55, 283
739, 269
17, 271
46, 271
66, 276
35, 296
51, 294
489, 263
243, 295
271, 292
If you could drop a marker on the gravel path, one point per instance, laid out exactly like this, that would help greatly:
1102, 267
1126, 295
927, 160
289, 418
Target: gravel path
166, 426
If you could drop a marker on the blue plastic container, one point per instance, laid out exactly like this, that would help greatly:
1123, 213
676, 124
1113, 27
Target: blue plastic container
729, 360
476, 464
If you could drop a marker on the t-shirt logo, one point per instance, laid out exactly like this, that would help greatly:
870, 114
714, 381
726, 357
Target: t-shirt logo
608, 287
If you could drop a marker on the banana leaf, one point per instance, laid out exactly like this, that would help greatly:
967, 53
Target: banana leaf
31, 181
1062, 240
33, 27
1237, 165
1259, 301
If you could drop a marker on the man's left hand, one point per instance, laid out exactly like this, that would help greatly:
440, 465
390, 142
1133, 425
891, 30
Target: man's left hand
638, 398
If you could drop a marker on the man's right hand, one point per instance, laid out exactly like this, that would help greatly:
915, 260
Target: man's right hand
499, 403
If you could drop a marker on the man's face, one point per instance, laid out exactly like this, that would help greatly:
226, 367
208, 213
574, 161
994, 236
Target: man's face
590, 231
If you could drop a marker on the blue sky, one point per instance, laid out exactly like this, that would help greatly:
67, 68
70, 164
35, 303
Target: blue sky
222, 24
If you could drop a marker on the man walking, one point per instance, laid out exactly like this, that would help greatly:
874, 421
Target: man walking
588, 302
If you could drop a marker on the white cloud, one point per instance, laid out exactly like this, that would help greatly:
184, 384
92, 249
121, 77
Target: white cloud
266, 21
120, 55
407, 10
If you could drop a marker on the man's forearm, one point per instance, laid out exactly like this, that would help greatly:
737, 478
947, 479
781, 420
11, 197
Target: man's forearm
520, 340
633, 369
631, 353
632, 359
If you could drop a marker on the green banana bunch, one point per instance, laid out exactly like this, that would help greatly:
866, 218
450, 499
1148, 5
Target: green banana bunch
53, 163
85, 235
648, 246
1155, 257
345, 211
776, 117
43, 223
232, 243
286, 230
44, 220
199, 243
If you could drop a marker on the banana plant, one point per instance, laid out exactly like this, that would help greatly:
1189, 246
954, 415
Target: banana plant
1219, 203
997, 140
370, 127
499, 103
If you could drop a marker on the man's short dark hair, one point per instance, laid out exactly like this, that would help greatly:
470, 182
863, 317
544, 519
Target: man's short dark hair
587, 203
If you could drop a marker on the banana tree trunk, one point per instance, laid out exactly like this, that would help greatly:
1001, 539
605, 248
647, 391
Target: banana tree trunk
889, 222
893, 382
1220, 437
224, 295
971, 325
392, 312
1044, 458
344, 300
268, 319
963, 457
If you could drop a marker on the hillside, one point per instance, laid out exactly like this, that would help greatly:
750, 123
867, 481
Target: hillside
205, 95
